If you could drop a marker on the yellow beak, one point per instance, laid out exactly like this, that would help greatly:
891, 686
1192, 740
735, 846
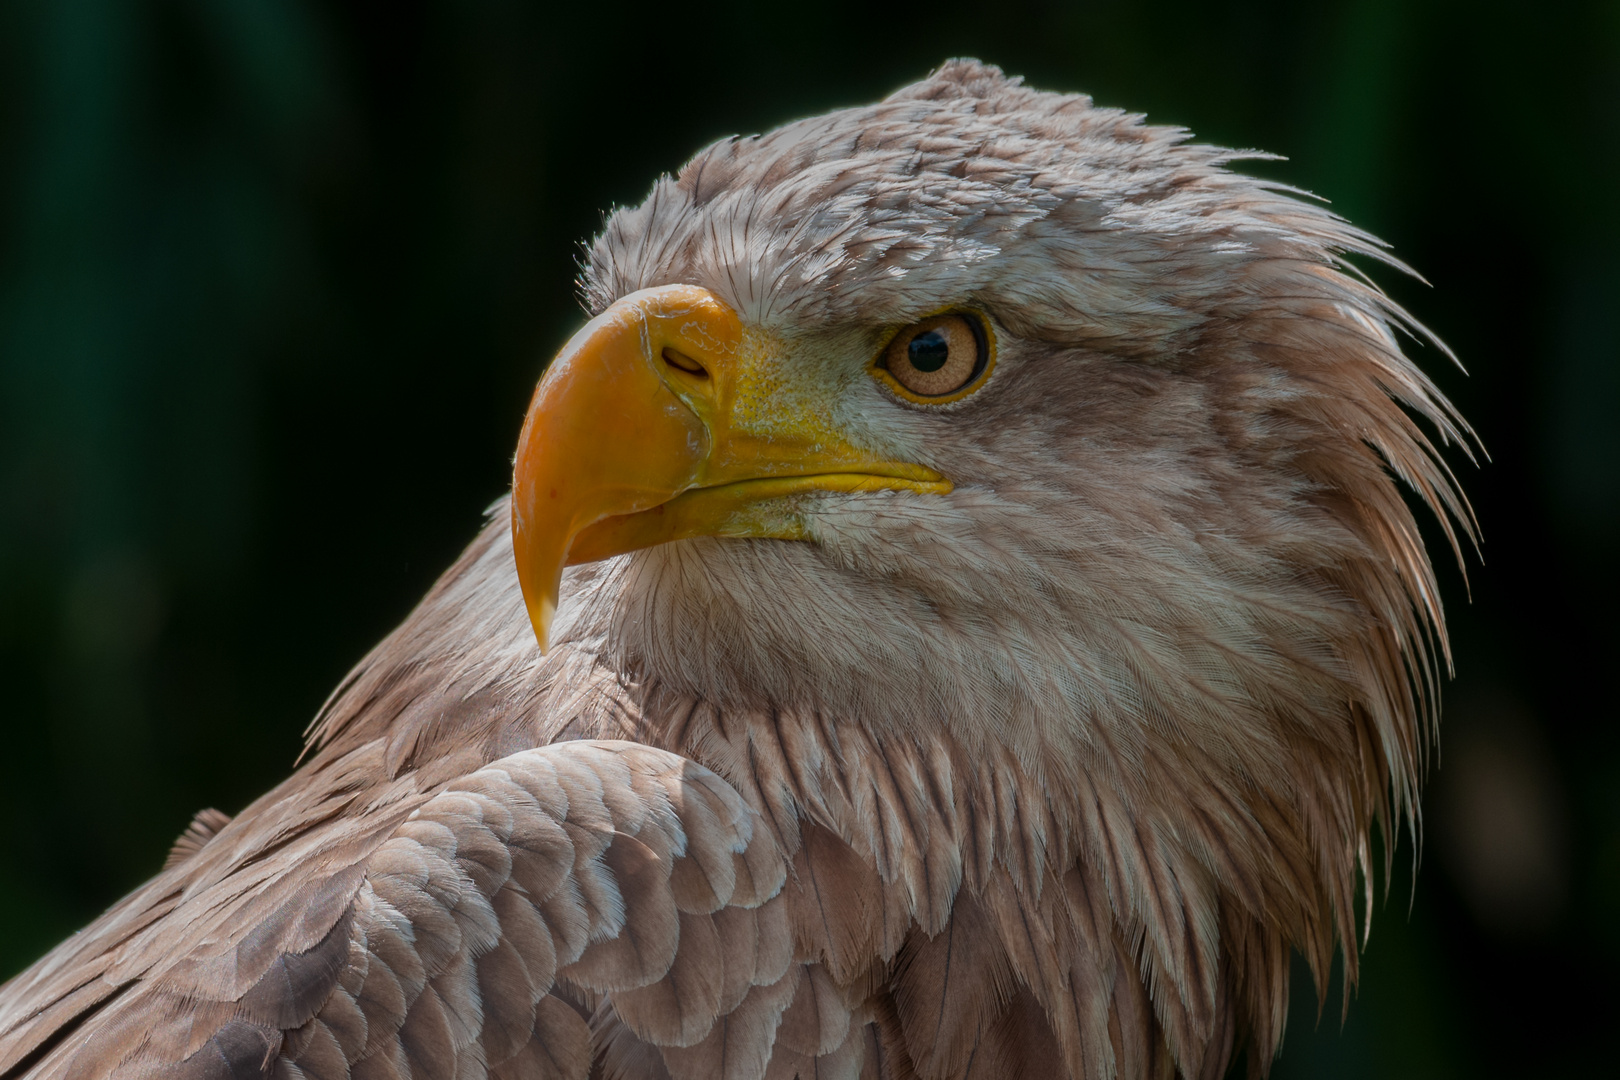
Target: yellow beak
665, 418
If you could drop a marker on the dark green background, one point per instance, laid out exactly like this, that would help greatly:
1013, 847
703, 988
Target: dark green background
276, 279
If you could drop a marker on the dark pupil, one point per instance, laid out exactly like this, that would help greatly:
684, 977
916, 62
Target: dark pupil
928, 351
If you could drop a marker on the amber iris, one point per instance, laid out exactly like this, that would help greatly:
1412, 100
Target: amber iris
937, 357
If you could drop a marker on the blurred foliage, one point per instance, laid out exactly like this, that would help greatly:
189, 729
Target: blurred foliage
276, 279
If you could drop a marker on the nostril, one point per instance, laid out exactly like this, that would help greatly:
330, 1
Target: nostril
676, 359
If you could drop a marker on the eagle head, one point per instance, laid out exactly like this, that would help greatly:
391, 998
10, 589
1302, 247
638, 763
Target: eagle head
1088, 445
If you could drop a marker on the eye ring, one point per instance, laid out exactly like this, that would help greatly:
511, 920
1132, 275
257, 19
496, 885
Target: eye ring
937, 360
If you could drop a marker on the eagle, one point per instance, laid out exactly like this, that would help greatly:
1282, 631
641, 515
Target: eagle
958, 613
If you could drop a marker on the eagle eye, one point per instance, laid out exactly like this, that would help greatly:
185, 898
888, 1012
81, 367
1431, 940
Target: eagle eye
938, 360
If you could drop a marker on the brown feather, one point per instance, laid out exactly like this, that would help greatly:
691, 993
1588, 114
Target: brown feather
816, 1022
948, 988
680, 1008
739, 1044
202, 829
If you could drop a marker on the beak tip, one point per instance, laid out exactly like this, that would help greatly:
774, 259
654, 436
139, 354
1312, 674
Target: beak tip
540, 617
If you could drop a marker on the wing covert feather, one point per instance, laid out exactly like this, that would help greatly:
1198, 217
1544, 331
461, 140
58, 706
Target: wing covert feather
548, 870
464, 943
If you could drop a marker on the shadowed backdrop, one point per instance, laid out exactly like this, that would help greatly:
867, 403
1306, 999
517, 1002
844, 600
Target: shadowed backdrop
277, 279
